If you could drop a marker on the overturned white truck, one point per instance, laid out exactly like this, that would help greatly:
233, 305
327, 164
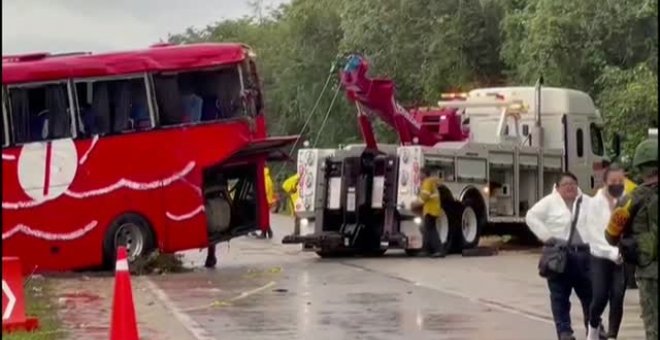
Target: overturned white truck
497, 151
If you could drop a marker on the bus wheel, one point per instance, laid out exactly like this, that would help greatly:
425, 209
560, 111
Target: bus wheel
133, 232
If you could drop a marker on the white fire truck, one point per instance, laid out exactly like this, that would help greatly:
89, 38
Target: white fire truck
497, 151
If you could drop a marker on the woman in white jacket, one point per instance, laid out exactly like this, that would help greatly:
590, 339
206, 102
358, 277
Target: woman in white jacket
607, 270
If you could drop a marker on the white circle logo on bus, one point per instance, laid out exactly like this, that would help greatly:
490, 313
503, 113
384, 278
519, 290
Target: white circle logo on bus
46, 169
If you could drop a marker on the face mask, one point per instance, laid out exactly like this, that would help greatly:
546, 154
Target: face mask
615, 190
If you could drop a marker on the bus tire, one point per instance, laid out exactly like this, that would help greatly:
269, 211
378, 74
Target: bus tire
132, 230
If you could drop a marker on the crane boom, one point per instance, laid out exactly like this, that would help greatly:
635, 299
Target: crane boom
375, 97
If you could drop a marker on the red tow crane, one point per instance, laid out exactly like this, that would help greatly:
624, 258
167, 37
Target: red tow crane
375, 97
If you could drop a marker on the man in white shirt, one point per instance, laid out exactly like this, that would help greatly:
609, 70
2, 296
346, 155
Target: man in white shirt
550, 220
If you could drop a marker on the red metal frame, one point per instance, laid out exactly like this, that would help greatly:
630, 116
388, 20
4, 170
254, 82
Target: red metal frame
156, 174
376, 96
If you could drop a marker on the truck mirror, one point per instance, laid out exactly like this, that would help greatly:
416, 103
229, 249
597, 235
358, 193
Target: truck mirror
616, 146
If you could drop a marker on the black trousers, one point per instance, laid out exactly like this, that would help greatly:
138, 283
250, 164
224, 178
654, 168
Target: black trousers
430, 237
609, 285
576, 277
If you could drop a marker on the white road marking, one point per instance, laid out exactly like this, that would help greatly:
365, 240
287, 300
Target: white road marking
188, 323
243, 295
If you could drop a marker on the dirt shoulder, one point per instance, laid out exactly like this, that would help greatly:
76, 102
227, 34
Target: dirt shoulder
40, 303
79, 306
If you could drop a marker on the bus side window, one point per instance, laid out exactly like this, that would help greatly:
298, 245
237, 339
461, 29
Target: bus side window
40, 112
191, 97
168, 99
112, 106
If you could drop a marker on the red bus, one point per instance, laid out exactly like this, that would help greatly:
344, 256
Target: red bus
162, 148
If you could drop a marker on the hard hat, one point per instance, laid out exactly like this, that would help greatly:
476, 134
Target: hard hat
646, 152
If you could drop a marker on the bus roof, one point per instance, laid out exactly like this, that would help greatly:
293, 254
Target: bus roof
40, 67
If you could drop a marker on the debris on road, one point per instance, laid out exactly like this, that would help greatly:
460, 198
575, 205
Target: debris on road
159, 263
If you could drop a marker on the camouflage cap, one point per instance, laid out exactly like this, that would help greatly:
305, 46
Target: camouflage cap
646, 153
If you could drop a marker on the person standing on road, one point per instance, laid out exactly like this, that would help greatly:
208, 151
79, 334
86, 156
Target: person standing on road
607, 270
551, 220
290, 187
634, 228
271, 197
429, 197
628, 185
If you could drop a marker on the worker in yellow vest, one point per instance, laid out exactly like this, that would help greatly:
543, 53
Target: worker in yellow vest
290, 187
429, 199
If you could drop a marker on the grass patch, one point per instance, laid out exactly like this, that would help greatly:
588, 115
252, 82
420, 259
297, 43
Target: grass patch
40, 303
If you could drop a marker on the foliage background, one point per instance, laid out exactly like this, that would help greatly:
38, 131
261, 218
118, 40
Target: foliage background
608, 48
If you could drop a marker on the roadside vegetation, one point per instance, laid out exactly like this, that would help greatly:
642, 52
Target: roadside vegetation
159, 263
608, 49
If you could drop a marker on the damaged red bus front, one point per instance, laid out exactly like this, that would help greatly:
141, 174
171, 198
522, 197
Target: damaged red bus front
162, 148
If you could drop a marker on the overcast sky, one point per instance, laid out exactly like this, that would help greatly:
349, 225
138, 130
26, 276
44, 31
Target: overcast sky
102, 25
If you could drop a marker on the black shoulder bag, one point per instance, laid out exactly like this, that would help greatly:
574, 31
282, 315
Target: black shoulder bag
553, 258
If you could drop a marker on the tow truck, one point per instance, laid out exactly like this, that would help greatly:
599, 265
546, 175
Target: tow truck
497, 150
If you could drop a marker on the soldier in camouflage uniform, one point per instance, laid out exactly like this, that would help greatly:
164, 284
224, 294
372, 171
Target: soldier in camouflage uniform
634, 228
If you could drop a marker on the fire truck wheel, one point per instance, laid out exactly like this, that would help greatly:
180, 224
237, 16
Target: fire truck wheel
132, 231
471, 224
444, 233
480, 251
413, 252
331, 254
374, 253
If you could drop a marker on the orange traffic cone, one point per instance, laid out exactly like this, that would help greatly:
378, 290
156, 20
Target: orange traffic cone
124, 325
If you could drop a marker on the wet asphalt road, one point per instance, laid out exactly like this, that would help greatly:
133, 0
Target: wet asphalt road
265, 290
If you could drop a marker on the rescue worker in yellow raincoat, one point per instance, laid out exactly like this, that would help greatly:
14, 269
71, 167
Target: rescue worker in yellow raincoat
271, 197
429, 199
290, 187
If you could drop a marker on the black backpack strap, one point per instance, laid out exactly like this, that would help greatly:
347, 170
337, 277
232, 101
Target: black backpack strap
575, 220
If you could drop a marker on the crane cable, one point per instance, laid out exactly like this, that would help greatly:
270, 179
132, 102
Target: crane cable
327, 114
316, 104
333, 67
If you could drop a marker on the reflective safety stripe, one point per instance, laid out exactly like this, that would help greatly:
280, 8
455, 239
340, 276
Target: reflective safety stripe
122, 265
